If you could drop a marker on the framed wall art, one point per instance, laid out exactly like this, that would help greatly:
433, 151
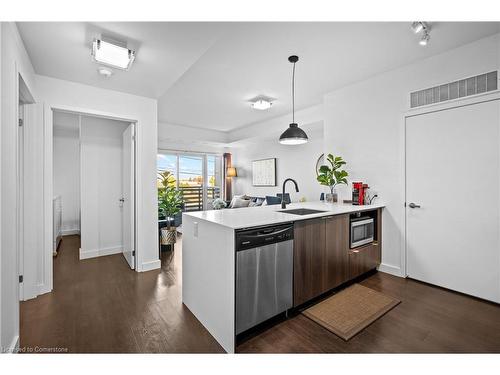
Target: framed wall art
264, 172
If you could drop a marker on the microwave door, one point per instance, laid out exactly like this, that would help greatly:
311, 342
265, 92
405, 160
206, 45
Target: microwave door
361, 232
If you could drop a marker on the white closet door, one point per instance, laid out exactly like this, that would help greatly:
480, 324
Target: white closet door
32, 257
128, 211
452, 173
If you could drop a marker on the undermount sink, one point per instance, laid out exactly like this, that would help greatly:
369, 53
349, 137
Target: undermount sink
301, 211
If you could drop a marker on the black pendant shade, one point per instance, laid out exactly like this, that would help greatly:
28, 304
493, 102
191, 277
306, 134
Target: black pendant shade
293, 135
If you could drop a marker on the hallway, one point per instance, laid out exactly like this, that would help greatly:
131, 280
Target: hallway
99, 305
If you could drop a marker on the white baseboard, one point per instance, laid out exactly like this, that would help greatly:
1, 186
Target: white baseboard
70, 232
86, 254
14, 346
390, 269
42, 289
149, 266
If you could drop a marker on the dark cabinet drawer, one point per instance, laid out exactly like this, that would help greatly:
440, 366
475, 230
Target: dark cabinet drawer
363, 259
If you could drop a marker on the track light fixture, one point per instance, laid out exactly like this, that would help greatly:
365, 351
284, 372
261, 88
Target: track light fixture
418, 26
424, 39
421, 27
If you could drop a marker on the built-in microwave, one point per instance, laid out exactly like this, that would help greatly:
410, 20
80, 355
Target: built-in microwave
362, 230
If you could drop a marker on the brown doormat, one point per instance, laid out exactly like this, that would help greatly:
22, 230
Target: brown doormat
351, 310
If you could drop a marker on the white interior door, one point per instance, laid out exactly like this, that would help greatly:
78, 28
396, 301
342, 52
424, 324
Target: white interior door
31, 168
452, 183
128, 202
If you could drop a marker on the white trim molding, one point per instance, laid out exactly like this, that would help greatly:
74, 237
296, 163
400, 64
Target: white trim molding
14, 346
70, 232
86, 254
390, 269
150, 266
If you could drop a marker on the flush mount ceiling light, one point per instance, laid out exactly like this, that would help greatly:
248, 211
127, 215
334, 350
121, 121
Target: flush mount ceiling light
422, 27
293, 135
112, 54
261, 102
105, 72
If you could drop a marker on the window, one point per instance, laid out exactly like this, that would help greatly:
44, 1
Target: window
198, 176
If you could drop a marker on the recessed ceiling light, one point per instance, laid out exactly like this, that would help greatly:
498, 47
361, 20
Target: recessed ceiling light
262, 102
105, 72
425, 39
112, 54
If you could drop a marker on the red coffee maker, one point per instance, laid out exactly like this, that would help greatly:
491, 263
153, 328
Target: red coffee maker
358, 193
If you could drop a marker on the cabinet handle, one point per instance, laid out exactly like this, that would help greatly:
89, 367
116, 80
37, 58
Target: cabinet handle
355, 251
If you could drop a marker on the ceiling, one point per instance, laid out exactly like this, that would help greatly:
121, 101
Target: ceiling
203, 74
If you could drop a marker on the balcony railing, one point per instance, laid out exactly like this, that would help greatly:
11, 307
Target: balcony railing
193, 196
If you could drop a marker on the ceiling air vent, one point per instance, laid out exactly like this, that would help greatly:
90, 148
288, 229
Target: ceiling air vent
453, 90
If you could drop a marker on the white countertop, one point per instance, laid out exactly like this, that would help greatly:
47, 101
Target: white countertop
238, 218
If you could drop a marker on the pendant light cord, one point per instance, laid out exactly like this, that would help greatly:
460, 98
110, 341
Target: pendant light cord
293, 94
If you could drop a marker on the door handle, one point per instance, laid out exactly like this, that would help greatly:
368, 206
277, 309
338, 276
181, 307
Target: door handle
413, 205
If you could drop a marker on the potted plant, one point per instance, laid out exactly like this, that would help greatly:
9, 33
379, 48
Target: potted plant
332, 175
170, 201
218, 204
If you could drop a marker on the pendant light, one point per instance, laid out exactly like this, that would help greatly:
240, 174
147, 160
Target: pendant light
293, 135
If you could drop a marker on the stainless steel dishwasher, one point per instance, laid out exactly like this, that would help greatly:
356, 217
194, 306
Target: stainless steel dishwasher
264, 274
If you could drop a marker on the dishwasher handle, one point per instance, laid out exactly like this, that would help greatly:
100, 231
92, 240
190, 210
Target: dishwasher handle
267, 233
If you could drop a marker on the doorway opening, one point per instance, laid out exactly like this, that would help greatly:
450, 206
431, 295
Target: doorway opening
94, 184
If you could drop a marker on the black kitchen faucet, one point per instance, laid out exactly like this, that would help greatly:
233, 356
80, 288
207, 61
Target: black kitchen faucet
283, 203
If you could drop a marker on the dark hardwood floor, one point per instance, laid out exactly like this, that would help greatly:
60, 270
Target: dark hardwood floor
100, 305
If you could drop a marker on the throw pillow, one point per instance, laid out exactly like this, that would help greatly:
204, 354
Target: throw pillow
272, 200
259, 201
234, 198
240, 202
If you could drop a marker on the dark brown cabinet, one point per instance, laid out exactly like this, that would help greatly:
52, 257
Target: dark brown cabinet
337, 246
321, 260
309, 260
363, 259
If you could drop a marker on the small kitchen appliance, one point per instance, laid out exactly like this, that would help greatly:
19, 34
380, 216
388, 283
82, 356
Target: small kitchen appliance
357, 193
362, 231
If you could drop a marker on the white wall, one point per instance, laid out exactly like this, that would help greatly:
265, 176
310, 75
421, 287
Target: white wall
101, 186
87, 99
1, 164
364, 124
297, 162
186, 138
67, 176
14, 60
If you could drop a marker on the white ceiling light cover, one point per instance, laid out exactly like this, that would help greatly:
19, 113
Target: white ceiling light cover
112, 54
262, 102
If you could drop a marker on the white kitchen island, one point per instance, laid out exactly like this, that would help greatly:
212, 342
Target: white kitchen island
209, 258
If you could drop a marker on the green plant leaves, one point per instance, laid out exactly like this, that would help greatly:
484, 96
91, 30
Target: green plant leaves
332, 175
169, 198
